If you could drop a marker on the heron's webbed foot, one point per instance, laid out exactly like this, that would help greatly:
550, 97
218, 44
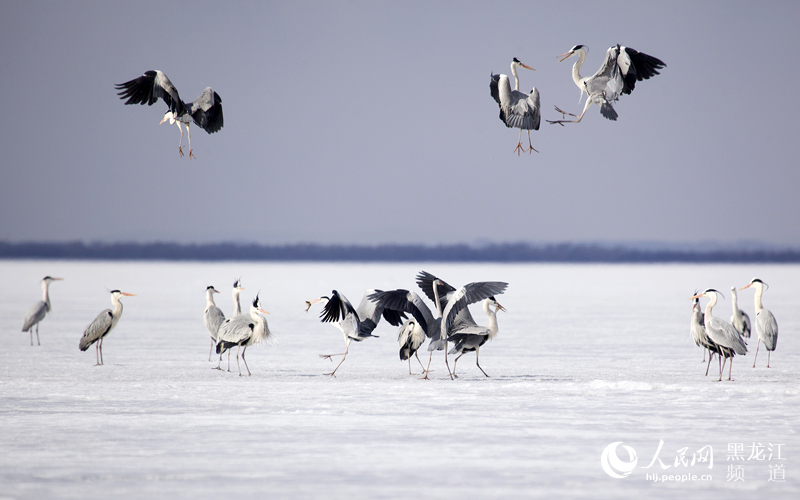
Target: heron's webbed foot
191, 155
563, 119
519, 149
332, 374
180, 151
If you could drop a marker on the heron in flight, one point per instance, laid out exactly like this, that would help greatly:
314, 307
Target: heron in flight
244, 331
622, 68
517, 109
37, 312
723, 334
102, 325
766, 325
471, 339
212, 317
205, 111
355, 324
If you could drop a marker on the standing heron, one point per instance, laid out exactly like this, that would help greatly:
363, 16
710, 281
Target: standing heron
355, 324
466, 342
721, 333
740, 320
102, 325
517, 109
237, 311
36, 313
766, 325
205, 111
244, 331
698, 331
618, 75
212, 317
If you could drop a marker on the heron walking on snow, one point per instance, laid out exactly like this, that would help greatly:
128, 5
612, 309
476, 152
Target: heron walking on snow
102, 325
721, 333
618, 75
205, 111
37, 312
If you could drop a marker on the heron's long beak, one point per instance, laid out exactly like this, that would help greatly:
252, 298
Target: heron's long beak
263, 311
128, 294
746, 286
215, 290
309, 303
57, 279
696, 296
526, 66
501, 308
163, 119
565, 55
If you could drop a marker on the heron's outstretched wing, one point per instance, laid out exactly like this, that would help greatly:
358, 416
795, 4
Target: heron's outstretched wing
425, 282
406, 302
206, 111
35, 315
96, 329
767, 329
148, 88
468, 294
636, 66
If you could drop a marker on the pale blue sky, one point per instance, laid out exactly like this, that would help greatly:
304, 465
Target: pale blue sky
371, 122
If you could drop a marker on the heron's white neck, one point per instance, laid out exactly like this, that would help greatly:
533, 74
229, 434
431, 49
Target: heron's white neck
237, 305
260, 328
757, 298
487, 308
210, 298
734, 301
712, 301
576, 69
46, 294
117, 309
516, 77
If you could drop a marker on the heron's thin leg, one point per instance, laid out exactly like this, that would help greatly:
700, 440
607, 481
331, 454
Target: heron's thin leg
519, 147
180, 144
562, 122
428, 369
758, 344
96, 355
189, 133
229, 360
477, 349
328, 356
39, 343
709, 362
445, 361
210, 349
531, 148
101, 350
237, 360
416, 353
704, 357
409, 366
333, 373
245, 361
454, 364
730, 366
723, 367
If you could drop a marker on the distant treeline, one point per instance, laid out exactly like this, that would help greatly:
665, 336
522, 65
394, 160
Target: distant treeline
508, 252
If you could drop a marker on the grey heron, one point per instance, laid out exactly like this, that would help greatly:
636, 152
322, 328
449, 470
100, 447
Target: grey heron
205, 111
467, 341
102, 325
244, 331
517, 109
414, 331
355, 324
36, 313
212, 317
237, 311
620, 71
739, 319
723, 334
455, 316
698, 331
766, 325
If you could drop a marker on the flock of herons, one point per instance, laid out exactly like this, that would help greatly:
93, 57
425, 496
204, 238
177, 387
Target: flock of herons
449, 322
622, 68
726, 340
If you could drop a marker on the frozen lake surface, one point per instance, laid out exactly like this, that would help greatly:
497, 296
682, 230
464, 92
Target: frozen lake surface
586, 356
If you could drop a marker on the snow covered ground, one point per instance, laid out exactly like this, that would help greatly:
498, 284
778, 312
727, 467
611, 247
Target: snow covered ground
586, 356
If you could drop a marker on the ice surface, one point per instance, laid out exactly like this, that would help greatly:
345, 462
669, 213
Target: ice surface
586, 355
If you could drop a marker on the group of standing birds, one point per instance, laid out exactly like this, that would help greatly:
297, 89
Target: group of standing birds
240, 330
618, 75
452, 322
726, 340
